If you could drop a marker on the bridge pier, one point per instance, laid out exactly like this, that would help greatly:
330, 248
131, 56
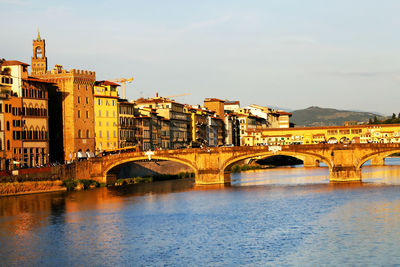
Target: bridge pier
310, 162
204, 177
345, 174
378, 161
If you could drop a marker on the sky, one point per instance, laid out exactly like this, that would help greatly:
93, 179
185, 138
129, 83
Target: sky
290, 54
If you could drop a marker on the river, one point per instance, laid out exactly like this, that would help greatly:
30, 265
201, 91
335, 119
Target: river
283, 216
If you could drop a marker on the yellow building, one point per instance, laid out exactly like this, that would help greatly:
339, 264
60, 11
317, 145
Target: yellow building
382, 133
105, 115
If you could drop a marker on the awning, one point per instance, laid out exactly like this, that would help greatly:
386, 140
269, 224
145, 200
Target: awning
81, 155
90, 154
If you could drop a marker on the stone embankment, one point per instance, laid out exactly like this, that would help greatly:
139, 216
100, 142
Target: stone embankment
62, 177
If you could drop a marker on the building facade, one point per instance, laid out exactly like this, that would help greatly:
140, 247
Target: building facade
128, 127
106, 115
76, 89
383, 133
175, 113
25, 119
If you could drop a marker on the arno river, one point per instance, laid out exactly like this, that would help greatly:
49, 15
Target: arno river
283, 216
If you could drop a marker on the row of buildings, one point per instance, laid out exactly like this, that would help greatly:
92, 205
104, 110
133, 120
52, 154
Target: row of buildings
349, 134
61, 115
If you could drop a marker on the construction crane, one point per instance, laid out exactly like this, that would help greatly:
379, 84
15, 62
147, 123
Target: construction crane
123, 81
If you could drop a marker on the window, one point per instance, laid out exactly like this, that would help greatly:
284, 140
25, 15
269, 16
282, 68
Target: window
8, 125
99, 113
79, 133
87, 134
79, 99
100, 135
108, 135
79, 113
87, 100
87, 114
98, 101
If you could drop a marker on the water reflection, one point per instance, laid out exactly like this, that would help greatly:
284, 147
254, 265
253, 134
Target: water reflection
281, 176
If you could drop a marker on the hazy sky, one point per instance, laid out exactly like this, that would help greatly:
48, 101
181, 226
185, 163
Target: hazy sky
288, 53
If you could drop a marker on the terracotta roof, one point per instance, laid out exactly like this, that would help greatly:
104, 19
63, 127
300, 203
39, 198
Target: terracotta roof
155, 100
232, 102
284, 113
106, 83
32, 79
213, 100
13, 63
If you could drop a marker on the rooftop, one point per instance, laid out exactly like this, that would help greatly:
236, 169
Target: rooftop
13, 63
213, 100
106, 83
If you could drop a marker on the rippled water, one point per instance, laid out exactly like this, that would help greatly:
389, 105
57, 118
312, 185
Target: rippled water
283, 216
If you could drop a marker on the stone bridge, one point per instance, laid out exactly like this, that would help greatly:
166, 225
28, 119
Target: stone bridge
212, 165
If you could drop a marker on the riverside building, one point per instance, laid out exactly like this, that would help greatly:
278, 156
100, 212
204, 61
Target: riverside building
25, 115
77, 108
175, 113
106, 115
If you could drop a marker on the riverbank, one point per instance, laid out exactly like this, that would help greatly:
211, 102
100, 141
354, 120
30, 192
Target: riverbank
30, 187
35, 187
154, 178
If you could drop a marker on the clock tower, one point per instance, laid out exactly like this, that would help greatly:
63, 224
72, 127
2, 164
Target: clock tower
39, 59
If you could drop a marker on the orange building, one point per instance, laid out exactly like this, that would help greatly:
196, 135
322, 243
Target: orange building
25, 118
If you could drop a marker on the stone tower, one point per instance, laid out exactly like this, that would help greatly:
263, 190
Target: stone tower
39, 59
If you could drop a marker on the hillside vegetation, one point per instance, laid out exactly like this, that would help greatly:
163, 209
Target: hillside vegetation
316, 116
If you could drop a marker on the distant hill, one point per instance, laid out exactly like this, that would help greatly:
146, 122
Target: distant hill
316, 116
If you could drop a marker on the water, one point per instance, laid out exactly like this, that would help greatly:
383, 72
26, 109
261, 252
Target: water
284, 216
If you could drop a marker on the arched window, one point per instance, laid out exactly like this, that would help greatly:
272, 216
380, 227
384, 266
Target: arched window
39, 52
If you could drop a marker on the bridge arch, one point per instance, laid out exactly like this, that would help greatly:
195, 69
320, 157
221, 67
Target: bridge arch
376, 154
231, 161
118, 161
